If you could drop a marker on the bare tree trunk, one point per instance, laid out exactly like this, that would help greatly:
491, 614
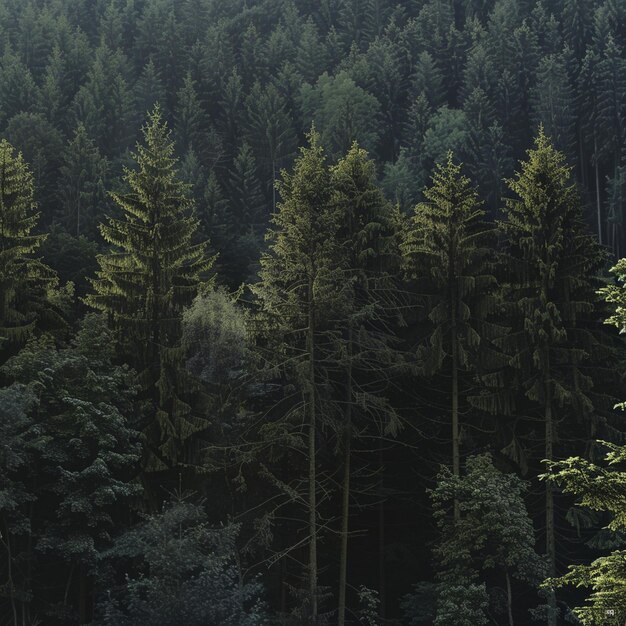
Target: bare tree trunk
382, 579
509, 598
345, 508
550, 537
10, 573
456, 459
312, 460
597, 174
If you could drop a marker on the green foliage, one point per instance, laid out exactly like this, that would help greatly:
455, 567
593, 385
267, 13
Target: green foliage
598, 487
73, 456
26, 284
155, 269
178, 569
494, 531
342, 112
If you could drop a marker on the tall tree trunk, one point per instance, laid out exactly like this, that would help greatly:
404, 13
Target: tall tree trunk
597, 174
581, 154
11, 583
509, 598
312, 460
83, 591
456, 459
548, 453
382, 579
345, 508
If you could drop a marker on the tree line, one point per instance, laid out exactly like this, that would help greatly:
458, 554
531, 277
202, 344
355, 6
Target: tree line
240, 85
368, 335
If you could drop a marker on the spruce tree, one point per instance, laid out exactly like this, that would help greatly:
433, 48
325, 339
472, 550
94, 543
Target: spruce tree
448, 252
550, 261
190, 123
155, 268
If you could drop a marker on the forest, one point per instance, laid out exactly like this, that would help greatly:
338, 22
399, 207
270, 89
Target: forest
311, 313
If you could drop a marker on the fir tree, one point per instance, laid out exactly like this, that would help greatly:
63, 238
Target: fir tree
155, 268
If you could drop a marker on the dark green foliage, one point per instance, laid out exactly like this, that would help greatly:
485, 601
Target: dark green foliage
178, 569
82, 185
343, 112
72, 456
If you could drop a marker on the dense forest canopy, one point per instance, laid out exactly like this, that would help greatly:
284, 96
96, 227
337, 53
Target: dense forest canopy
306, 314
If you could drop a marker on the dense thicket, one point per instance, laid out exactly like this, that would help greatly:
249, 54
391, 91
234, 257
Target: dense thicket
295, 300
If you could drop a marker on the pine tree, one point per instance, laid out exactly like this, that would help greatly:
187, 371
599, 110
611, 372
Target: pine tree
448, 250
550, 261
155, 268
25, 282
298, 289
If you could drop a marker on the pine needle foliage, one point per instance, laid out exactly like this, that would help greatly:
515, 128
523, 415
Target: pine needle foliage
154, 269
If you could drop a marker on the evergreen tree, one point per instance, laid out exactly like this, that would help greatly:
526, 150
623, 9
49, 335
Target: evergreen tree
599, 487
155, 268
41, 144
25, 282
367, 237
270, 132
554, 102
550, 260
448, 250
18, 91
82, 184
147, 92
297, 291
247, 203
190, 123
103, 103
81, 461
